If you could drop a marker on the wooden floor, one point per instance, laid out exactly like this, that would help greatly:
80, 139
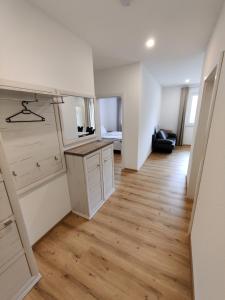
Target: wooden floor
136, 247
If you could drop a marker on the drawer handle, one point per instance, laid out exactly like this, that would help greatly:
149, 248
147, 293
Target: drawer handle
38, 165
98, 165
14, 173
56, 158
7, 223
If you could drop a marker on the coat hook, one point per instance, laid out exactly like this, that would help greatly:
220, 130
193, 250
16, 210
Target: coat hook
62, 101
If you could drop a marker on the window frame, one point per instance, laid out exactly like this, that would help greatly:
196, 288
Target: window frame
189, 108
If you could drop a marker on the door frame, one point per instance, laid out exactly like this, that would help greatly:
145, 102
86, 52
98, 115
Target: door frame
218, 69
122, 97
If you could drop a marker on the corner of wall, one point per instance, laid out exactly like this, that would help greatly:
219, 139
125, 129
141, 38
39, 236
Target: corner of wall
149, 112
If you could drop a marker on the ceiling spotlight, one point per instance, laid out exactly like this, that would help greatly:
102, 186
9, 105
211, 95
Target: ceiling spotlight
125, 2
187, 81
150, 43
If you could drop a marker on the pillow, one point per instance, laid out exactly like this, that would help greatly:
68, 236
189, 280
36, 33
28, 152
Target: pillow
161, 135
103, 130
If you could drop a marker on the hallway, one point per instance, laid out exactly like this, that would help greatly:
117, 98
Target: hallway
136, 246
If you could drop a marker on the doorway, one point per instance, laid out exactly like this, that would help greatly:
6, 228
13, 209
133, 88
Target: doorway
111, 124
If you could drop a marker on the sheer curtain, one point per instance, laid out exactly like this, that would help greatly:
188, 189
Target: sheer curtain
182, 114
119, 114
90, 112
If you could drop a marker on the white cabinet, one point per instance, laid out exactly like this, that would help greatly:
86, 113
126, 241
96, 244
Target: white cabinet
10, 243
5, 208
90, 176
18, 271
94, 180
14, 268
13, 278
108, 179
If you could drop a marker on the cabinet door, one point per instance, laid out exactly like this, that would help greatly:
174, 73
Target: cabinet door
94, 181
108, 176
14, 278
5, 208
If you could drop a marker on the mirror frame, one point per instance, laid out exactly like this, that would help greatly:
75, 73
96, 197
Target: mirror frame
82, 140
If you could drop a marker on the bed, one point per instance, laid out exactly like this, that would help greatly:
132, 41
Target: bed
115, 136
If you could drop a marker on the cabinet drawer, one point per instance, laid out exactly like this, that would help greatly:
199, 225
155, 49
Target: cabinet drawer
14, 278
107, 153
5, 208
93, 162
10, 244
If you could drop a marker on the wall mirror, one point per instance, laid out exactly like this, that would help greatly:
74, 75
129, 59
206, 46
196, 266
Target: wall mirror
77, 116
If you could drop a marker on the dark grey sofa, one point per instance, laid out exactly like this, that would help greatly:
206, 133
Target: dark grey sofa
163, 141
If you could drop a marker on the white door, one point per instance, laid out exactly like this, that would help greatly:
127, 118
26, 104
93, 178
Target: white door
208, 242
203, 130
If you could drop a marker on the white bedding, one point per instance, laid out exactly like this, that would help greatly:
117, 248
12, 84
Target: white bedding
113, 135
116, 136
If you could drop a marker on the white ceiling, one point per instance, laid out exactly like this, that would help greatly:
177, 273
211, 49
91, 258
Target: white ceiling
117, 34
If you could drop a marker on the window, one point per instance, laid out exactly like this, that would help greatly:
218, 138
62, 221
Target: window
193, 110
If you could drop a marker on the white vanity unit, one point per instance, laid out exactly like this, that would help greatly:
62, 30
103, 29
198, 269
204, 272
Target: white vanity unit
90, 176
18, 270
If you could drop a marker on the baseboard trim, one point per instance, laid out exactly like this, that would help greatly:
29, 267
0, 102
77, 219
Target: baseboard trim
28, 287
80, 214
95, 211
192, 270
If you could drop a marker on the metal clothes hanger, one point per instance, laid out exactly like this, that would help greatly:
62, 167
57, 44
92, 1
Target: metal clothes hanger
26, 111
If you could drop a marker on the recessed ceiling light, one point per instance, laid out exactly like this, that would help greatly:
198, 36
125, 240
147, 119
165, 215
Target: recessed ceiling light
150, 43
187, 81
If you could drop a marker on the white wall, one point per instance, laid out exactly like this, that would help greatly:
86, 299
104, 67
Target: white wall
207, 236
170, 108
108, 113
36, 50
125, 82
141, 98
149, 113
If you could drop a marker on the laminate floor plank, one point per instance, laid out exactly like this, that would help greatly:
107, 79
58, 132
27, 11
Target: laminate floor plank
135, 248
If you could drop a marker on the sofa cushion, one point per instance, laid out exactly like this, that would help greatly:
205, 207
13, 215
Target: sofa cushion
164, 142
161, 135
173, 141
